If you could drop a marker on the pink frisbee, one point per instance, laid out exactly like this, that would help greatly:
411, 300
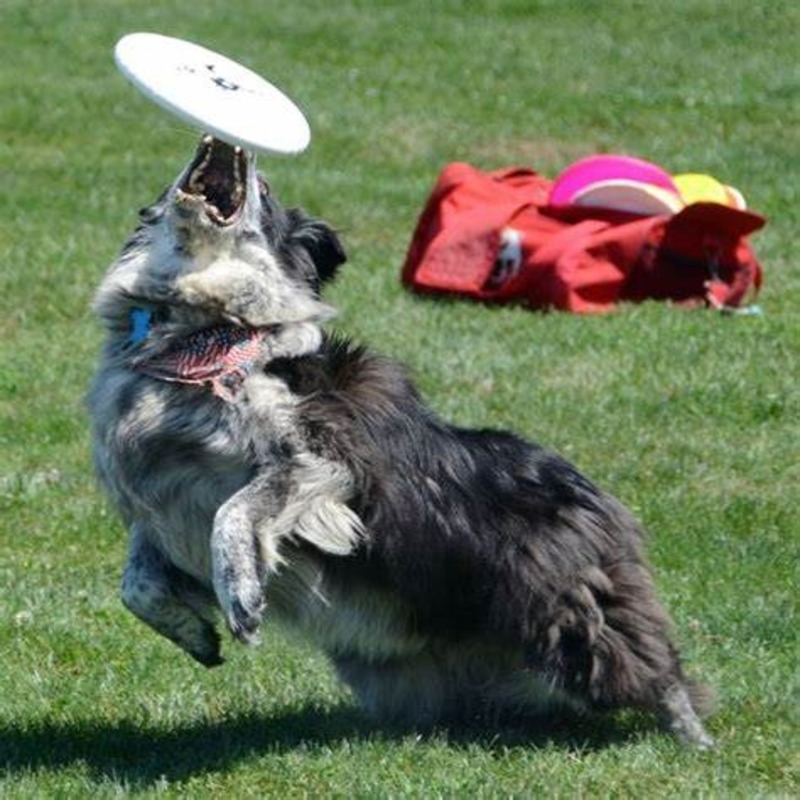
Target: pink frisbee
577, 177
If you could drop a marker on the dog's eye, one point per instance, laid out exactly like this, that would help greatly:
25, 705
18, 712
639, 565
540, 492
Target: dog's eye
149, 214
263, 187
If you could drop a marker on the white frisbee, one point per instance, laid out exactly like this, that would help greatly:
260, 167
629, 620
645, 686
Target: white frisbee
212, 92
634, 197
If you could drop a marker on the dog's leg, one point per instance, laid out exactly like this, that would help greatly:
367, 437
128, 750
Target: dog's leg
302, 498
169, 601
679, 717
253, 295
238, 563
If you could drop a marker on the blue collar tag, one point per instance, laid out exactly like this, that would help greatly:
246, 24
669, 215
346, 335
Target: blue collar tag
140, 325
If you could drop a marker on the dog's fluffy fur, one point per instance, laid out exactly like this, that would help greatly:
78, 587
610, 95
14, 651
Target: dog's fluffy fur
444, 571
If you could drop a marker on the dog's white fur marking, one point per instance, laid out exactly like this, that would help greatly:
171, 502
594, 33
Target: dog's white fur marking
679, 717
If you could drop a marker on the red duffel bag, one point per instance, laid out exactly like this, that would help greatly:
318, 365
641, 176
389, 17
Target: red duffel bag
493, 237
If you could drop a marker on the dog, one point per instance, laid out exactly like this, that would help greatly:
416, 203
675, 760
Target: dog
266, 467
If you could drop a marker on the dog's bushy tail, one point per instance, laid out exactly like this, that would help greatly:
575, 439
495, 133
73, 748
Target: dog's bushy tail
607, 640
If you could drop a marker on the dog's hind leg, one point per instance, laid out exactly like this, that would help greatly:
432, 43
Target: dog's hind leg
170, 601
680, 718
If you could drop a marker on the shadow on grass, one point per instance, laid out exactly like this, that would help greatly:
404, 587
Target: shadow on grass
140, 756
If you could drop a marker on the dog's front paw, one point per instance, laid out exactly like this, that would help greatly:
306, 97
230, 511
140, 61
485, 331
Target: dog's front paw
237, 582
236, 294
243, 607
237, 569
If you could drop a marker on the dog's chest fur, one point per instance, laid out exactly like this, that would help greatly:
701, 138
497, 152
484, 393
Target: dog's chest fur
171, 455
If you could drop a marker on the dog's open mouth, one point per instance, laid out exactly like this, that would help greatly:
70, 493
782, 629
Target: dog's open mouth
218, 177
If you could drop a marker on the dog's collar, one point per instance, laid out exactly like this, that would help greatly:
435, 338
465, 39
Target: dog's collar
140, 325
221, 356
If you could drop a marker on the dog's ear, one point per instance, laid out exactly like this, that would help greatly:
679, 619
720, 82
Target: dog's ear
328, 253
321, 243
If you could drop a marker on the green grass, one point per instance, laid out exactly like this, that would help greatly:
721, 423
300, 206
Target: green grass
689, 417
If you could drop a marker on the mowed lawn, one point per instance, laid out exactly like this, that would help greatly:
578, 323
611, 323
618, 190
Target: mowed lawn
690, 417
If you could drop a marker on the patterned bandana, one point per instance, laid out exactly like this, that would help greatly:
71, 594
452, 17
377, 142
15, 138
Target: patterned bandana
222, 356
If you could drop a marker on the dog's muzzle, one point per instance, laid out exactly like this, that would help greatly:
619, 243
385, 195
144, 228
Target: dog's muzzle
216, 179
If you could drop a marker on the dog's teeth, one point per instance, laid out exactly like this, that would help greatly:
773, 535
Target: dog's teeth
203, 165
196, 183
